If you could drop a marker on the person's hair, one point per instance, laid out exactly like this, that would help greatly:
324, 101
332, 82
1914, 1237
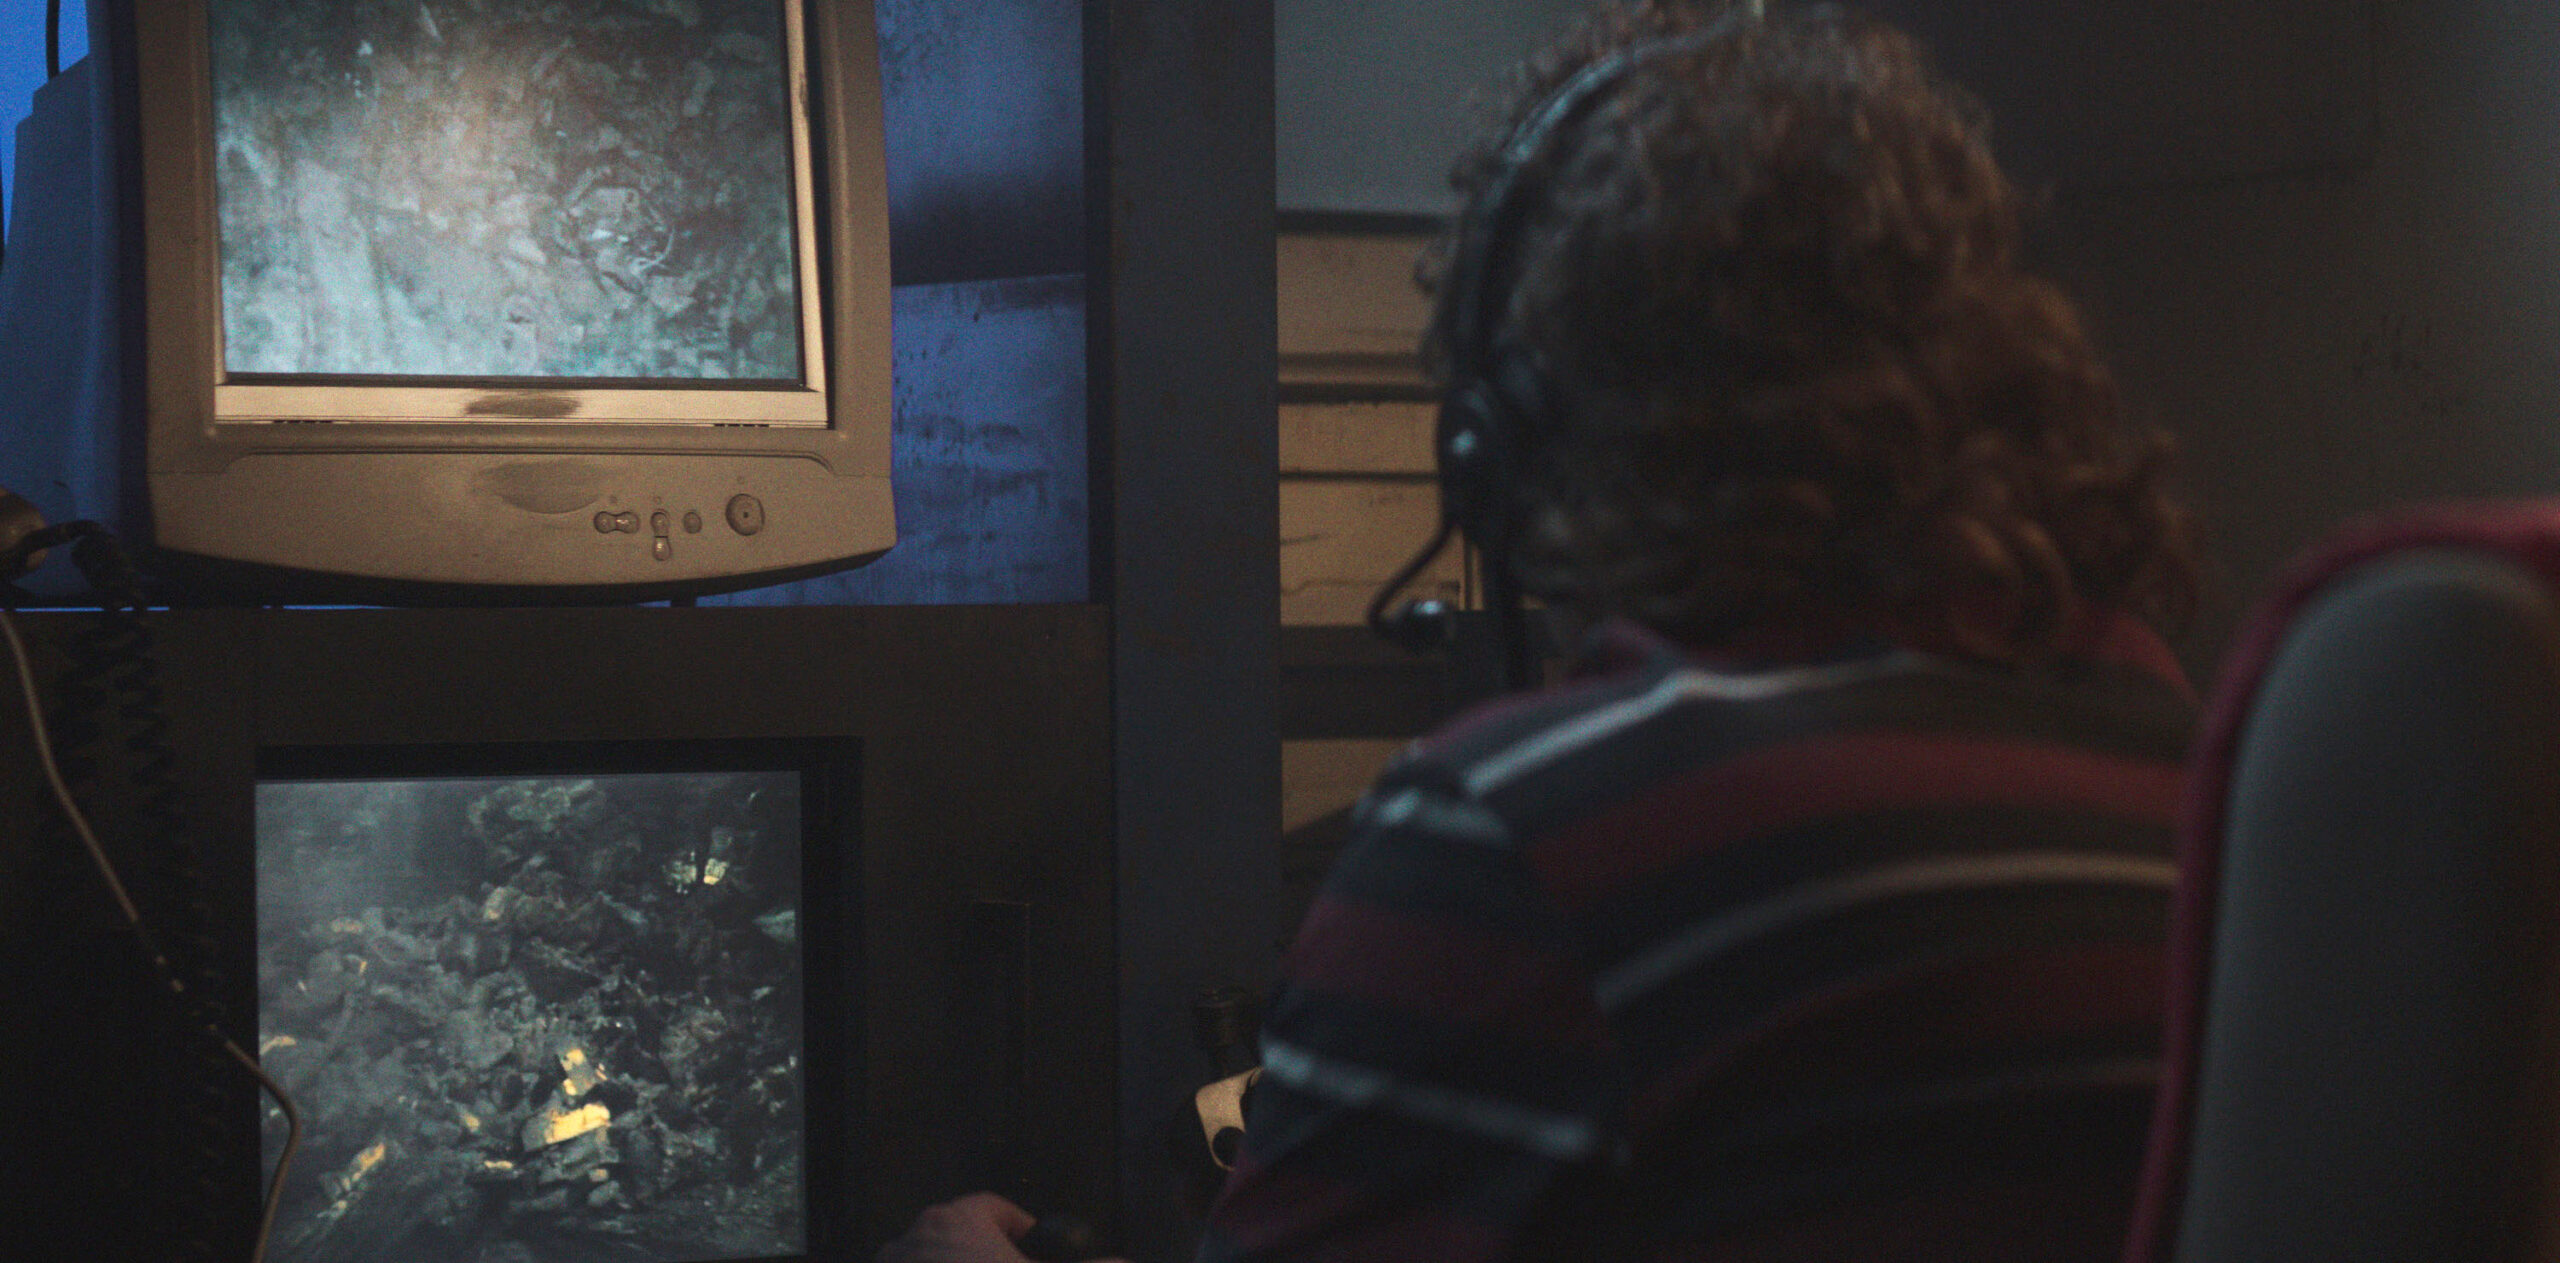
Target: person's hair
1776, 283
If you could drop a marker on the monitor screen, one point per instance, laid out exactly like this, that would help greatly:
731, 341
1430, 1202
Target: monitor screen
577, 189
536, 1018
612, 192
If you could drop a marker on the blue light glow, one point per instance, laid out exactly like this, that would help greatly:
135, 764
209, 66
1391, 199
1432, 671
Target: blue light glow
22, 66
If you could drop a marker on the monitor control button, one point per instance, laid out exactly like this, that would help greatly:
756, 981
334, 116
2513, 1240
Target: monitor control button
604, 521
692, 521
746, 514
662, 548
659, 522
627, 522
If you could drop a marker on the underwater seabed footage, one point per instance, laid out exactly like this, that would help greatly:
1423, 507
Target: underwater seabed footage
535, 1020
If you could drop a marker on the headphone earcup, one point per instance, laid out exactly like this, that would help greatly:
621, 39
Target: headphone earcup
1473, 439
1487, 427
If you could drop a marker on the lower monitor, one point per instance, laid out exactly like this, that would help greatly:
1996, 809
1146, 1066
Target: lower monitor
548, 1015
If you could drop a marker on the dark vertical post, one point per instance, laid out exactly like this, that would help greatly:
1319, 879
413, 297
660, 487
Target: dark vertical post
1186, 454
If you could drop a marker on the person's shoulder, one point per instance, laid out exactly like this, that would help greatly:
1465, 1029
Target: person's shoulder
1646, 707
1621, 665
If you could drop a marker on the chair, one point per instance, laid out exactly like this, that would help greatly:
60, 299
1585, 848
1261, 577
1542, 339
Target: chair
2364, 1030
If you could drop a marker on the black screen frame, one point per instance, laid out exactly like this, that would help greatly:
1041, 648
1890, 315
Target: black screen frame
831, 856
985, 747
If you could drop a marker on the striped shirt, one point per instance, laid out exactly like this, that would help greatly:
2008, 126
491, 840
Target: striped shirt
1848, 958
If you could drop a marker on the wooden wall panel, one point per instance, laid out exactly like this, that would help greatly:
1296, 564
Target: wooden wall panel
1341, 539
1357, 490
1389, 437
1350, 314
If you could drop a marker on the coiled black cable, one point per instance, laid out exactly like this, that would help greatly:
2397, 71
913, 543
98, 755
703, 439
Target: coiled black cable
110, 715
113, 667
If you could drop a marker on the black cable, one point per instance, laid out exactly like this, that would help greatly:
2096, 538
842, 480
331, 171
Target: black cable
110, 705
52, 38
113, 665
13, 561
1419, 625
113, 678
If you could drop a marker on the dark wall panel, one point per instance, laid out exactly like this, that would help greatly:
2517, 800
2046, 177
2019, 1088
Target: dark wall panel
1190, 449
2333, 343
1376, 97
2164, 92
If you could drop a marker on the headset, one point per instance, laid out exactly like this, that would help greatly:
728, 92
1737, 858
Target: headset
1500, 404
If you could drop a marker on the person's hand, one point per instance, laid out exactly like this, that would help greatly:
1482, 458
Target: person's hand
979, 1228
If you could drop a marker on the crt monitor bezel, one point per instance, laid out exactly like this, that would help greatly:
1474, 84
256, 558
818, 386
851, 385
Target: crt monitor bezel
830, 932
509, 504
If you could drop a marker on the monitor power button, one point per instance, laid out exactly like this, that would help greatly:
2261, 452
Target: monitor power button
746, 514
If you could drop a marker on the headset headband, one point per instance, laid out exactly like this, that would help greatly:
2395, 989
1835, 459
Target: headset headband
1489, 228
1493, 398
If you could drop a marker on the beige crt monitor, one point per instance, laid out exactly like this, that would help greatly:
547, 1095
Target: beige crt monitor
586, 298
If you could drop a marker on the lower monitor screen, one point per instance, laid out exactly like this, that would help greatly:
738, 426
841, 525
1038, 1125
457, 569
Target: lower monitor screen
530, 1019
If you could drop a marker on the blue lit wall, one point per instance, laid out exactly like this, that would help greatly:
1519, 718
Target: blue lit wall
989, 452
984, 102
22, 65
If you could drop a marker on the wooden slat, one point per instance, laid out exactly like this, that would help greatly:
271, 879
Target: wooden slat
1357, 438
1321, 777
1340, 540
1350, 312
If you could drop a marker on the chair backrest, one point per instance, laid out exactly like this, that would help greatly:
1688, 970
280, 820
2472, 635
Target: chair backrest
2361, 1053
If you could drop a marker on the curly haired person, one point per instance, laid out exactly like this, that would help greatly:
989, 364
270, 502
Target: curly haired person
1820, 914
